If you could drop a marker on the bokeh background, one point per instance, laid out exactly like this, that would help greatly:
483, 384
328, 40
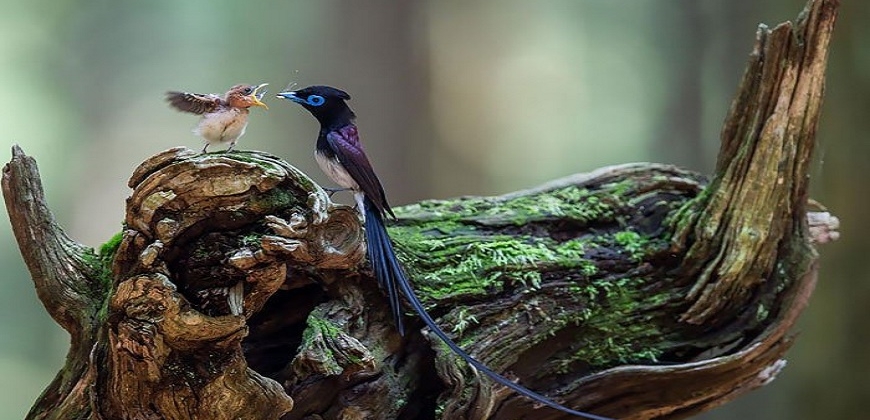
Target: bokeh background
453, 98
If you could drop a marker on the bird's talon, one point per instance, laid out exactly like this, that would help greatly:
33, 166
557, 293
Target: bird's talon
332, 191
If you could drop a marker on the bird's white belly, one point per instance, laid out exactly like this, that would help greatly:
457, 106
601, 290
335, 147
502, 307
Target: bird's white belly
222, 127
335, 171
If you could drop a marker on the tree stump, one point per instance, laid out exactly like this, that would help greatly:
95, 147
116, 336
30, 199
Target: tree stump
238, 290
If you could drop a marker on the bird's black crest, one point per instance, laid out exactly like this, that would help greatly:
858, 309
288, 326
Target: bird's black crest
325, 91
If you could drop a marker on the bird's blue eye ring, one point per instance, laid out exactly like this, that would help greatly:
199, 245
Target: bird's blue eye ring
315, 100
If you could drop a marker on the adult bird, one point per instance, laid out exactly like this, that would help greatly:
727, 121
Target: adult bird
224, 118
340, 155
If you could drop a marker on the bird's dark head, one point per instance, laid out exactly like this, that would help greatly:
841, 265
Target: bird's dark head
326, 103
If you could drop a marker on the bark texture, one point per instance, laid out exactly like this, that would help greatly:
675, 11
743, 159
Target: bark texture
238, 290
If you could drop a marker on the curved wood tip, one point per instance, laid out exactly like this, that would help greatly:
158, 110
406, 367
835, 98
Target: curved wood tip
758, 199
17, 151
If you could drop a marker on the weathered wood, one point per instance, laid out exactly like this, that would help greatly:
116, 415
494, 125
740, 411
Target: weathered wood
239, 290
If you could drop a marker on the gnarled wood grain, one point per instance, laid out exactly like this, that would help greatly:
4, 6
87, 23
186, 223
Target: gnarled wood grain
237, 289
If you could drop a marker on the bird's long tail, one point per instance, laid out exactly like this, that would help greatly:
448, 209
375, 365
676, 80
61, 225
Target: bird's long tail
383, 259
392, 279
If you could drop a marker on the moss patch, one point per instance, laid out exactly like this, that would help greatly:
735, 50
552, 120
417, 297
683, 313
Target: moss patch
478, 264
633, 243
314, 339
614, 328
577, 204
567, 239
273, 200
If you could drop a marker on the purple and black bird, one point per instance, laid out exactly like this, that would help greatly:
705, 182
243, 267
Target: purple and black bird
340, 155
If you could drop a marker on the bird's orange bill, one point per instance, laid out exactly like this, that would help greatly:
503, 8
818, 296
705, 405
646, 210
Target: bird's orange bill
256, 95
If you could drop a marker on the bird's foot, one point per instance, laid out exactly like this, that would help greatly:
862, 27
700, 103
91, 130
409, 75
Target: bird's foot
332, 191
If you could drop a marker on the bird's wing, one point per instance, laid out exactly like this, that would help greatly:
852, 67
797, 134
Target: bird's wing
348, 150
194, 103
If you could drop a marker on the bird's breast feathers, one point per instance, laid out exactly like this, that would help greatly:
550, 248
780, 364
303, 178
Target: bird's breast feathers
335, 170
224, 126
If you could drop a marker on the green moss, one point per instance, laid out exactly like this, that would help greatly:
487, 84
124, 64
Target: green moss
101, 264
439, 409
463, 320
475, 247
108, 249
622, 187
252, 240
762, 313
588, 268
655, 300
572, 203
319, 326
273, 200
482, 264
685, 216
94, 269
201, 251
313, 341
609, 306
612, 331
578, 204
448, 250
633, 243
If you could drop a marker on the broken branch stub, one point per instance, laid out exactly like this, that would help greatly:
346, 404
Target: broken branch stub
751, 222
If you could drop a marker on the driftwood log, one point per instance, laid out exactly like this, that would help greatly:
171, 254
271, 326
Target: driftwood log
238, 290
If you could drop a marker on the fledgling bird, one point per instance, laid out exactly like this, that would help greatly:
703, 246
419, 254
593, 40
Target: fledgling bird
340, 155
224, 118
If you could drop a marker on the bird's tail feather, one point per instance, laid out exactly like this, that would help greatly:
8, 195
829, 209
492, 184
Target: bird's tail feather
392, 279
383, 259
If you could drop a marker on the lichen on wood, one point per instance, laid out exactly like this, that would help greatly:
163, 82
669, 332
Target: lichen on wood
237, 289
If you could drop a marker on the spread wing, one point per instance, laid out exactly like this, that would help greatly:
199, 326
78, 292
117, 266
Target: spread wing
348, 149
194, 103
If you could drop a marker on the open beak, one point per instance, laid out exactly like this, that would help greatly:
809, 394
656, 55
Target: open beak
256, 95
291, 96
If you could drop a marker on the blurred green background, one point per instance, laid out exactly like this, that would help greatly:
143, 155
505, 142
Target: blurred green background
453, 98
